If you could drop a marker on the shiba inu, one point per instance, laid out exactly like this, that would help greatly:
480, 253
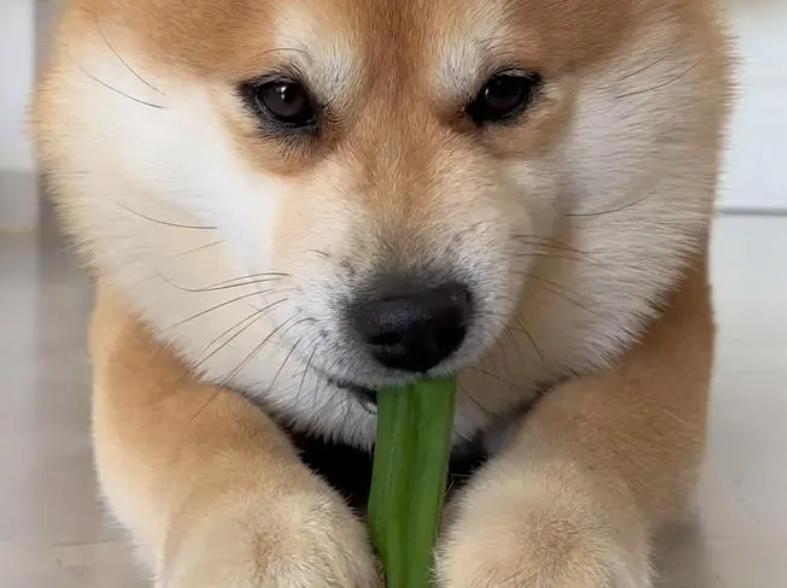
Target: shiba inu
286, 205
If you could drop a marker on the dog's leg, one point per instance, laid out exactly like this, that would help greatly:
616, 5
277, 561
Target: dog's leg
592, 472
211, 490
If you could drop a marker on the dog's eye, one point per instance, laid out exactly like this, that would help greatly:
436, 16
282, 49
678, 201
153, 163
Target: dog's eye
283, 100
503, 96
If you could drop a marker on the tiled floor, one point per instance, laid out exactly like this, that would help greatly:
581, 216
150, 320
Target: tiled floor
53, 533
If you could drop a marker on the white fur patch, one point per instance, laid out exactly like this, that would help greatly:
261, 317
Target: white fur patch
321, 51
469, 55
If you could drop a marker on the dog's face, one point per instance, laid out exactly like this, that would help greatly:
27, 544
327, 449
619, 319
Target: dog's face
315, 195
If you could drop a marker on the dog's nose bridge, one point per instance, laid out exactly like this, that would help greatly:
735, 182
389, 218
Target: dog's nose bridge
400, 187
396, 147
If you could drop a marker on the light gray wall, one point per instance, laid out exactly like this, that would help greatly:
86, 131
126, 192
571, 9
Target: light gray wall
18, 194
755, 168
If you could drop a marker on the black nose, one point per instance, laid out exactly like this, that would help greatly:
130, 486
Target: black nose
411, 328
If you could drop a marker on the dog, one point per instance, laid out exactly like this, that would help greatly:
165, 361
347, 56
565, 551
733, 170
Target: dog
286, 205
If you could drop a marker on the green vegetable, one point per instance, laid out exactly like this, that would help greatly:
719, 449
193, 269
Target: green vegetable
408, 478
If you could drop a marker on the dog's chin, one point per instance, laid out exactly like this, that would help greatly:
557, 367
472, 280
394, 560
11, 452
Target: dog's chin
367, 395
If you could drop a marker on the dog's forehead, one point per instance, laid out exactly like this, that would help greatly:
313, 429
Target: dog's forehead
451, 38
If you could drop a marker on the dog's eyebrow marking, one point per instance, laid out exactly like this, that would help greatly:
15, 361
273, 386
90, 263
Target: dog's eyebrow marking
329, 57
472, 44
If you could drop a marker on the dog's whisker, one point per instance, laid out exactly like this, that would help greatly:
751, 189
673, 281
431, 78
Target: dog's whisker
489, 415
119, 91
217, 307
549, 246
620, 208
319, 252
124, 62
200, 248
249, 277
509, 334
548, 242
530, 338
643, 69
207, 403
237, 325
662, 85
541, 255
242, 365
557, 289
165, 223
252, 320
474, 401
219, 288
289, 355
315, 346
493, 376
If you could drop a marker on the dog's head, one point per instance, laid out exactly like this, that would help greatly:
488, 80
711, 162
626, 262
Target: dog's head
315, 194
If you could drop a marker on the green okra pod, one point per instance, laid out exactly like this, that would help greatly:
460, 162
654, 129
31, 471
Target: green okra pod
411, 457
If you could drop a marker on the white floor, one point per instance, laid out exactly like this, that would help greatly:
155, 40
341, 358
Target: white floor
53, 533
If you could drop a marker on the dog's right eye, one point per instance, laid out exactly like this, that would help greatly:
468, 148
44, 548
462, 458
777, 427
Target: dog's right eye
283, 101
504, 96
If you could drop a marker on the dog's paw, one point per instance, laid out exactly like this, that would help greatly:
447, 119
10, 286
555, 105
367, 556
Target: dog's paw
544, 531
303, 540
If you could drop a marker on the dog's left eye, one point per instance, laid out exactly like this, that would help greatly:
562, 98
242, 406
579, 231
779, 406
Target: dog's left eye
282, 101
503, 96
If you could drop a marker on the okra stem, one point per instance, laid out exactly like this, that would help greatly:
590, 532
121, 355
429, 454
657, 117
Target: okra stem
408, 478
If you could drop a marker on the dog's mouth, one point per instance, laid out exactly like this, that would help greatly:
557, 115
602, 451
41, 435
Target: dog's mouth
365, 396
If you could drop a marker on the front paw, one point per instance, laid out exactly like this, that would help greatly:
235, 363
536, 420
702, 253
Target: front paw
299, 540
547, 529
